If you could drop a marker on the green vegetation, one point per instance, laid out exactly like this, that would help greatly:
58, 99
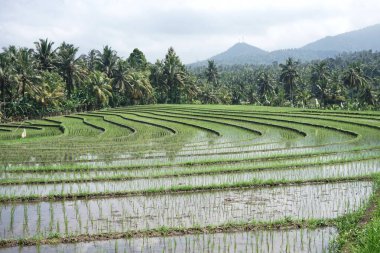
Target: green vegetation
176, 171
49, 80
346, 82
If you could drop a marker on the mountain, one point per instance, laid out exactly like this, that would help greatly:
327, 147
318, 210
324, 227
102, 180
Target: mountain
364, 39
237, 53
242, 53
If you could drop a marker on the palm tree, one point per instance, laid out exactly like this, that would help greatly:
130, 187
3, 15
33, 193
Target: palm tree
303, 95
6, 76
158, 82
320, 77
265, 87
45, 54
288, 77
367, 96
119, 80
11, 53
139, 86
354, 78
51, 90
107, 60
99, 87
68, 65
191, 89
26, 76
208, 95
8, 73
212, 73
91, 59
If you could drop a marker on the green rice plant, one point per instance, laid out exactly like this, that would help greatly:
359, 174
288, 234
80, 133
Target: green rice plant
114, 171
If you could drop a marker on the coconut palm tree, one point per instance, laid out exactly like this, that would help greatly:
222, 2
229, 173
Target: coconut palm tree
208, 95
303, 96
99, 88
212, 73
51, 90
45, 54
355, 79
139, 86
26, 76
191, 89
367, 96
320, 78
288, 77
265, 86
158, 82
106, 61
119, 80
6, 76
91, 59
68, 65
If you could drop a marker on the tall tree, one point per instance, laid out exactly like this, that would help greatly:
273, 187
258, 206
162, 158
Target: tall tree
139, 87
320, 77
265, 87
212, 73
288, 77
137, 60
106, 60
119, 80
157, 81
173, 76
68, 65
99, 89
191, 88
6, 76
27, 77
45, 54
51, 92
91, 59
355, 79
367, 96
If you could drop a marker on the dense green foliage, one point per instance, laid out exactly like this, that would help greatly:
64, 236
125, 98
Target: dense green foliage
47, 81
369, 237
349, 81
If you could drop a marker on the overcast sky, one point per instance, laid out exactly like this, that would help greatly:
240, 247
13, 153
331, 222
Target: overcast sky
197, 29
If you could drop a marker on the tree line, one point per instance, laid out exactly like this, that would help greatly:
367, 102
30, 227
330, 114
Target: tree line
348, 81
48, 80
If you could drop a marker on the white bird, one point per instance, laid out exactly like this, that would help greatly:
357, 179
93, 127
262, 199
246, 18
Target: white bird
23, 135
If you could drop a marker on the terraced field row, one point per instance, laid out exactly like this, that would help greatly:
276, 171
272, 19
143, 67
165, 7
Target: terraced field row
169, 178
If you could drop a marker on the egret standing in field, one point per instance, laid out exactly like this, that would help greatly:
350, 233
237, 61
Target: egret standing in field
23, 135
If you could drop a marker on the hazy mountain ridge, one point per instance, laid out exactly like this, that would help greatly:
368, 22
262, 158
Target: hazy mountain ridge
242, 53
364, 39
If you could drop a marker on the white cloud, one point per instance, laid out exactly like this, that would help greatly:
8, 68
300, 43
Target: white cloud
197, 29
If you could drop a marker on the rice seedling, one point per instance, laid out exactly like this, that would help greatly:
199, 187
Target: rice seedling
146, 172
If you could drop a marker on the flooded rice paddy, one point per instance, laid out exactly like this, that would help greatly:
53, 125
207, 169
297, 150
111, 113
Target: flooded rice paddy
166, 167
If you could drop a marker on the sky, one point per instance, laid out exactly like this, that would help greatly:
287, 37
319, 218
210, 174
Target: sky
197, 29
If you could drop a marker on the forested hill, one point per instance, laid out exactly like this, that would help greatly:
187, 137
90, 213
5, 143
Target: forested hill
238, 53
363, 39
243, 53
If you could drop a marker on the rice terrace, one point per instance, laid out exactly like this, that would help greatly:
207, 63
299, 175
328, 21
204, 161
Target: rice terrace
189, 178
